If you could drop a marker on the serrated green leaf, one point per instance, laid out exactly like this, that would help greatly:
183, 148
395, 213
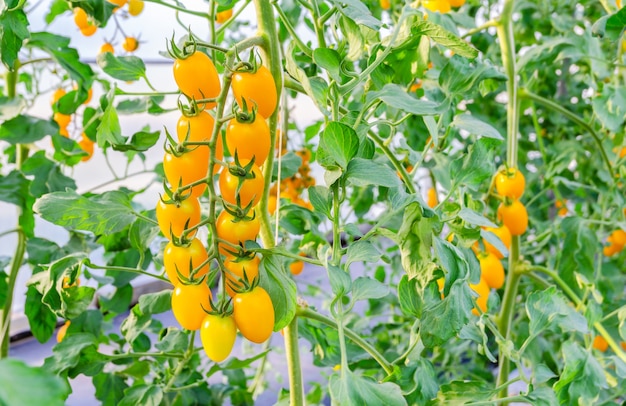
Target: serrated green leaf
155, 303
145, 395
362, 251
459, 76
364, 172
320, 198
140, 141
107, 213
444, 37
475, 126
582, 377
13, 32
476, 219
409, 297
549, 309
340, 142
142, 233
289, 165
109, 388
358, 12
109, 130
41, 319
349, 389
126, 68
364, 288
25, 129
397, 97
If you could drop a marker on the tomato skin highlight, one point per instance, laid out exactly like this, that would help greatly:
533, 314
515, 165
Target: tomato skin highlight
251, 267
249, 140
504, 235
188, 302
197, 77
235, 232
256, 88
514, 216
180, 258
510, 183
251, 189
491, 270
175, 216
254, 314
218, 334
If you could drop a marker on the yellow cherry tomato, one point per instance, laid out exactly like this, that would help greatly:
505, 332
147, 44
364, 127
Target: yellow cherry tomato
491, 270
514, 216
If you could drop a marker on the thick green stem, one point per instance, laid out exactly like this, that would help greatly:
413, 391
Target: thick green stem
355, 337
18, 256
507, 47
271, 54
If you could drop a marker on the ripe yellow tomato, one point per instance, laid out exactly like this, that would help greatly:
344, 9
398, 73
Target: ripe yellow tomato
296, 267
189, 167
62, 331
618, 237
504, 235
184, 259
272, 203
257, 88
63, 120
189, 303
135, 7
57, 95
514, 216
491, 270
119, 3
510, 183
442, 6
235, 272
249, 139
218, 334
197, 78
80, 18
87, 145
385, 4
177, 217
247, 189
89, 30
107, 47
235, 231
483, 295
223, 16
600, 344
254, 314
456, 3
432, 197
130, 44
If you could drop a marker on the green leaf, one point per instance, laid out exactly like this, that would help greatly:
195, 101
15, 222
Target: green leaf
14, 188
446, 318
475, 126
362, 251
415, 238
140, 141
364, 288
142, 233
611, 26
13, 32
76, 300
25, 385
321, 199
420, 380
155, 303
57, 8
316, 88
444, 37
358, 12
134, 325
610, 107
475, 219
329, 60
109, 130
47, 175
11, 107
109, 388
462, 392
411, 301
494, 240
107, 213
26, 129
397, 97
126, 68
354, 39
340, 281
581, 242
475, 167
41, 319
349, 389
582, 377
364, 172
459, 76
542, 396
340, 142
281, 288
4, 285
119, 302
550, 309
67, 353
289, 165
145, 395
69, 59
174, 340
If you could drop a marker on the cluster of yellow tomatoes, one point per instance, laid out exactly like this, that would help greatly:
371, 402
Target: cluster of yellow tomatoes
88, 27
190, 162
291, 188
64, 120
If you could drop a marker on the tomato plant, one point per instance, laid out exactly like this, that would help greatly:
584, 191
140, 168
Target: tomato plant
451, 173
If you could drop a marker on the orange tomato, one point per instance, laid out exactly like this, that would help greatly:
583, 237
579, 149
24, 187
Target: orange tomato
106, 47
600, 344
86, 145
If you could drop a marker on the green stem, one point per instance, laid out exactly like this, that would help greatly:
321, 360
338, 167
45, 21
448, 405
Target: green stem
259, 375
292, 31
579, 303
523, 93
226, 23
507, 48
356, 338
336, 226
145, 354
271, 53
406, 178
182, 9
182, 362
91, 265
